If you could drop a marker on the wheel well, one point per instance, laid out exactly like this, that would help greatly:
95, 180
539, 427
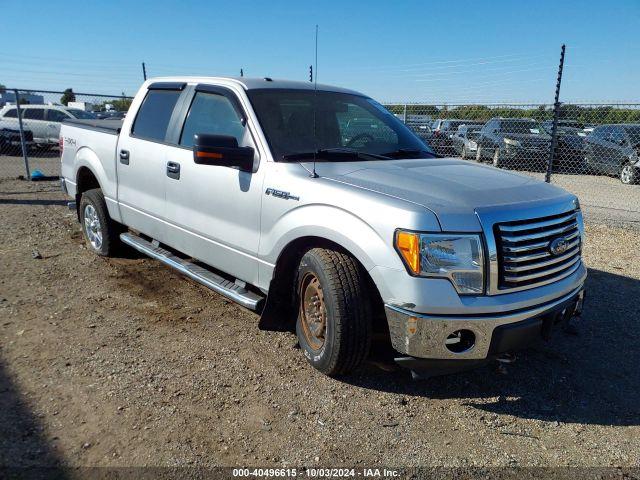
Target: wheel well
282, 295
85, 180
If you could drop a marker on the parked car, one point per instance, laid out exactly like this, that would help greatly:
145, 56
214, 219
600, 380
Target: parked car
110, 115
10, 141
514, 143
443, 130
257, 189
464, 140
570, 145
43, 120
615, 150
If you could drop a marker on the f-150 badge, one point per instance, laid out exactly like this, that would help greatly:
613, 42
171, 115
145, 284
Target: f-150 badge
280, 194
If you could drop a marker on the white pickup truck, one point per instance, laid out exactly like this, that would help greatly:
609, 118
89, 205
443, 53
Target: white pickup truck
320, 209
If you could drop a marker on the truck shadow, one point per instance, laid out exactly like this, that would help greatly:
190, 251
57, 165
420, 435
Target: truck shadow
591, 378
24, 451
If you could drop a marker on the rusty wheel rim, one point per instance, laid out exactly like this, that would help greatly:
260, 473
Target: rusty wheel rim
313, 311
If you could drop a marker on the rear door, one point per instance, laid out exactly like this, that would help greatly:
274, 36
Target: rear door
213, 212
33, 119
141, 161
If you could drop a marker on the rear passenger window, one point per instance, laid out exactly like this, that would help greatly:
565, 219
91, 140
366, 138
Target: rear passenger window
214, 114
33, 114
152, 120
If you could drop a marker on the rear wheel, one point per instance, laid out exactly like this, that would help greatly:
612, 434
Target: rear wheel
334, 313
100, 232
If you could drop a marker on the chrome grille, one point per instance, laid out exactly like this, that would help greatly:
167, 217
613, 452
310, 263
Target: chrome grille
524, 250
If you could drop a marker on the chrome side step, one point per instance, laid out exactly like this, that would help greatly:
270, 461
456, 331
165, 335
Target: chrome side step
195, 272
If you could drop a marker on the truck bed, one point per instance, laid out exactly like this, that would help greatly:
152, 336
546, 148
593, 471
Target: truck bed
105, 126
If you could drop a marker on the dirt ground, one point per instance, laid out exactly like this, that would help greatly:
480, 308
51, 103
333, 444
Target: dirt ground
121, 362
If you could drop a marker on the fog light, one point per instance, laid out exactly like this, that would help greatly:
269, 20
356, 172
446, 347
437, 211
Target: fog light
460, 341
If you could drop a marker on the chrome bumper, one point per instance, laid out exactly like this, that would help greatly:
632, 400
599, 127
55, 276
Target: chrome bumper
424, 336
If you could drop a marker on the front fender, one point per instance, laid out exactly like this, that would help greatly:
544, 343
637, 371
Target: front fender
368, 245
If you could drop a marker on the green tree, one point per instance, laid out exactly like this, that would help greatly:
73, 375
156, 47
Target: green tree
67, 96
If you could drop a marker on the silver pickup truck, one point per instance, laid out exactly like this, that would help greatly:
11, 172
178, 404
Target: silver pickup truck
320, 210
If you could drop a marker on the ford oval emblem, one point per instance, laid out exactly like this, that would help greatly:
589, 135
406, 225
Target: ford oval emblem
558, 246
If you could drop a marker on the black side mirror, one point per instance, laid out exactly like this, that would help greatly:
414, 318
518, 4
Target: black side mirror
221, 150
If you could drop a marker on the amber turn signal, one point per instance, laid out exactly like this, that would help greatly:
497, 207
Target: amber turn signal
201, 154
408, 244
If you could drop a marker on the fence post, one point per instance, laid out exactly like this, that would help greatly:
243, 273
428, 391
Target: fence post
404, 114
23, 143
556, 114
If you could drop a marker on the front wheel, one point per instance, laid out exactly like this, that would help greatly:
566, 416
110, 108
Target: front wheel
497, 161
100, 232
629, 174
334, 314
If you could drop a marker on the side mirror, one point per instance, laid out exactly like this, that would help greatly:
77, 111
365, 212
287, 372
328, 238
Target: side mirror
223, 151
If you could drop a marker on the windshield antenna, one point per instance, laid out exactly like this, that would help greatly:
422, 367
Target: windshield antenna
315, 105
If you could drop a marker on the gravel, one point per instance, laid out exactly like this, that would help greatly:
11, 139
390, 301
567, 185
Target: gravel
122, 362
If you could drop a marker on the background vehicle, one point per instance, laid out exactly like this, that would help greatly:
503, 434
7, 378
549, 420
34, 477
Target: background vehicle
263, 191
464, 139
443, 130
43, 120
110, 114
570, 141
614, 150
513, 142
10, 140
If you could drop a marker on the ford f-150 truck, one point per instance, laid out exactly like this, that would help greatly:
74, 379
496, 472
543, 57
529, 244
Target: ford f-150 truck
260, 190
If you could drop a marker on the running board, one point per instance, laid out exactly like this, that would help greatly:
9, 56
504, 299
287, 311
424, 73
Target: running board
195, 272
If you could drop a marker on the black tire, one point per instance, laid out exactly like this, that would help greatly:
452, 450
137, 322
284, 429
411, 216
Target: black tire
90, 202
629, 174
345, 309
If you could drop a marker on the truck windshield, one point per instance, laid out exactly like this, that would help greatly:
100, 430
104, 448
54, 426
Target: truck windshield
339, 126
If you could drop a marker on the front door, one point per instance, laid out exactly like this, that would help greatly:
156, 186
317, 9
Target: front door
213, 212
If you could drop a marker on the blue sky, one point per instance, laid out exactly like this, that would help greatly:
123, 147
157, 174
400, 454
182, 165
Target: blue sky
441, 51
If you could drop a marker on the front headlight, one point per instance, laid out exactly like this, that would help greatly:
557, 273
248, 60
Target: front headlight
457, 257
512, 142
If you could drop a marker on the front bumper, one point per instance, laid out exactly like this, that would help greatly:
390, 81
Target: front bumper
425, 336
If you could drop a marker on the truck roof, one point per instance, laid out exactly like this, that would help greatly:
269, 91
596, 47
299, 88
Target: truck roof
249, 83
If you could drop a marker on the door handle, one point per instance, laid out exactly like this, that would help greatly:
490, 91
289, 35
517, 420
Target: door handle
173, 170
124, 157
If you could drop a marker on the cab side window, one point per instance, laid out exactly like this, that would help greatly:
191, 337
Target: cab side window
154, 115
13, 113
214, 114
56, 116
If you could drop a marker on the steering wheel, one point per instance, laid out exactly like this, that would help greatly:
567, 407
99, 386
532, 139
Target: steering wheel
360, 136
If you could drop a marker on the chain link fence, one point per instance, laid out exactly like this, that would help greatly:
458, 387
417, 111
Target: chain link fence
30, 123
594, 151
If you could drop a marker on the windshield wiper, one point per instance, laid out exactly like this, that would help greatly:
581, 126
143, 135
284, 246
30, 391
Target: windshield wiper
334, 154
403, 152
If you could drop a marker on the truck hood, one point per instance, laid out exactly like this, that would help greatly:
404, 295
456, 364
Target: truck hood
452, 189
